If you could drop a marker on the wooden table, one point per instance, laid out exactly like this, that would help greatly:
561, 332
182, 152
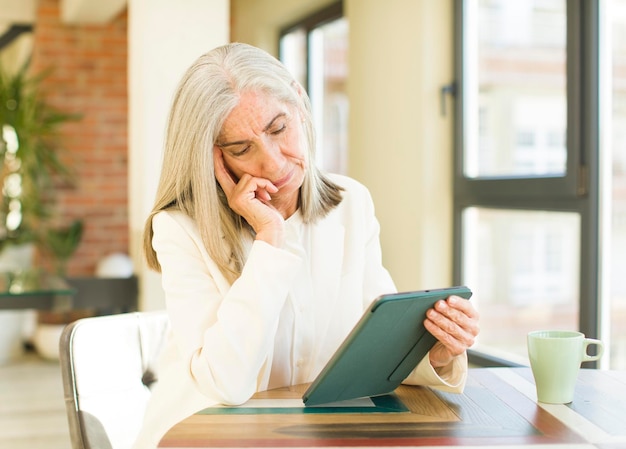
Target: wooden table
497, 409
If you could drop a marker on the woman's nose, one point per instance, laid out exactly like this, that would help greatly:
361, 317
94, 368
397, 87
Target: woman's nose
271, 155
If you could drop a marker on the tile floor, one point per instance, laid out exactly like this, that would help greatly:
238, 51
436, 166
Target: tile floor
32, 410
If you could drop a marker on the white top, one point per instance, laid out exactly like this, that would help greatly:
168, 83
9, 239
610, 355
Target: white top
279, 322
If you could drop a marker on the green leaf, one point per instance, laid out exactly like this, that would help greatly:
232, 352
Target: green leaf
37, 161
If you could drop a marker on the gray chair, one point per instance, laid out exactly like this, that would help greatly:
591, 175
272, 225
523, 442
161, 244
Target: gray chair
108, 365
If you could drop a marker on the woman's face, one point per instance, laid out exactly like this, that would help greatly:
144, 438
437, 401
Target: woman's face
264, 138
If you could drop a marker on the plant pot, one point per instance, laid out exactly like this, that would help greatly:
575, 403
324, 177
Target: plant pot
46, 340
11, 336
15, 324
50, 325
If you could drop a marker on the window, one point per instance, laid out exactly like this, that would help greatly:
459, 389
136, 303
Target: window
315, 50
537, 199
613, 100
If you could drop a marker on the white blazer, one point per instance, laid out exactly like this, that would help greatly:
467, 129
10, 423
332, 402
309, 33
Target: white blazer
279, 322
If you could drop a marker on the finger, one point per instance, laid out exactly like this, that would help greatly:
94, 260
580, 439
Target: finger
453, 345
452, 330
264, 189
263, 194
249, 194
453, 324
460, 312
260, 187
463, 305
221, 173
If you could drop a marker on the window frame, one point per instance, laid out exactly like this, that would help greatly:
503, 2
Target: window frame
577, 191
308, 24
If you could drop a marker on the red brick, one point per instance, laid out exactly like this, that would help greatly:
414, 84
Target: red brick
89, 77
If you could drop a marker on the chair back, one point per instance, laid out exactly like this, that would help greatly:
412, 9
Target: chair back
108, 364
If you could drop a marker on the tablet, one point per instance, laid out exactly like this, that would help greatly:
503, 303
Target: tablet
381, 350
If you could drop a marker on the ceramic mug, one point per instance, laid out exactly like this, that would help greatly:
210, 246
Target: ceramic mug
555, 358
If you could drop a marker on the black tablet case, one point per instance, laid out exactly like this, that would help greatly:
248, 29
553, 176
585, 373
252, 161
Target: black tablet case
382, 349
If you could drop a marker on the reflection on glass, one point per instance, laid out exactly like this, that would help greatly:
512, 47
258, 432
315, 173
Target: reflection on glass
616, 141
516, 88
523, 267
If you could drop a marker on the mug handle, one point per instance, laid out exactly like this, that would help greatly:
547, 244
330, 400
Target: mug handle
591, 341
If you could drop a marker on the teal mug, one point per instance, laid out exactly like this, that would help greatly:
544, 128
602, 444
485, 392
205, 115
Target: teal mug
555, 358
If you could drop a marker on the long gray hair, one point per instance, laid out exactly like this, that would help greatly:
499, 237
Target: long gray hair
206, 95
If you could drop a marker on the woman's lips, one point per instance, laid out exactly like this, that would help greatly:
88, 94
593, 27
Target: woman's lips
284, 180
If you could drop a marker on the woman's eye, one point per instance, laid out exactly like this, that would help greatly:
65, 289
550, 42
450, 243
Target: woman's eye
241, 152
279, 130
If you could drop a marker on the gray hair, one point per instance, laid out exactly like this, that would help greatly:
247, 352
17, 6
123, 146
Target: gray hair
206, 95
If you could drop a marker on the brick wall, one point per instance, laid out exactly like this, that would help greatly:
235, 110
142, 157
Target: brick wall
89, 76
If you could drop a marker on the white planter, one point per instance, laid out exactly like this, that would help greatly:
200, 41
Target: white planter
15, 324
11, 335
46, 340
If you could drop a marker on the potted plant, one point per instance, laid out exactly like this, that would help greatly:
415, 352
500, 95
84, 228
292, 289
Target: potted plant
30, 168
29, 157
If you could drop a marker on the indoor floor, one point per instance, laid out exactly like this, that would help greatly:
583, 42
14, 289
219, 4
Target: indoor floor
32, 411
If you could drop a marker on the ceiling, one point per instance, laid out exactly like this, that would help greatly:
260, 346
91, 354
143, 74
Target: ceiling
18, 16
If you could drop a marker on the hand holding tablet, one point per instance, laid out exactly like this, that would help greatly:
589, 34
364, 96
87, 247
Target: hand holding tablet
383, 348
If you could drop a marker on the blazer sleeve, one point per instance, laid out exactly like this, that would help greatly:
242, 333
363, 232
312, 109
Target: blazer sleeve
450, 378
224, 333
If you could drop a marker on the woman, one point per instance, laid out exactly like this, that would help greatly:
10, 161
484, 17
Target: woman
266, 262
